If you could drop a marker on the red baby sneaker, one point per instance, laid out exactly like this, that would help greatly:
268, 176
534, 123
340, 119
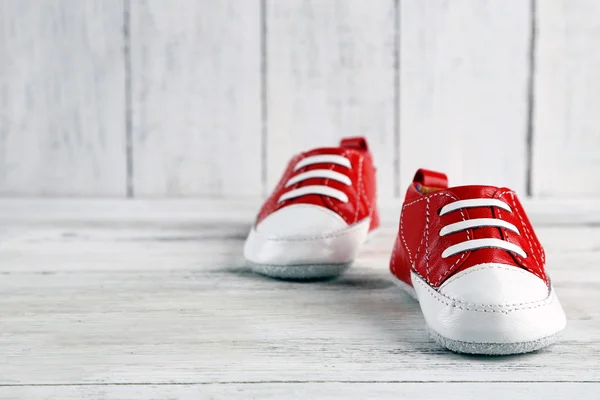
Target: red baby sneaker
469, 255
318, 216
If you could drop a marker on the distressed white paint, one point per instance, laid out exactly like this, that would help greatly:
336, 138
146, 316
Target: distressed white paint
330, 74
542, 212
311, 390
150, 301
463, 90
62, 107
566, 152
196, 77
196, 97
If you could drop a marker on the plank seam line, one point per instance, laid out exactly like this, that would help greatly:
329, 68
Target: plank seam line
264, 111
128, 97
396, 127
531, 99
279, 382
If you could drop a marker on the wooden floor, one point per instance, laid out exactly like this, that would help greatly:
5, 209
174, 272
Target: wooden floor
151, 300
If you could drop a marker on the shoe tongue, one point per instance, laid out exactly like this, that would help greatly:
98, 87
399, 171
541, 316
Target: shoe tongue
357, 143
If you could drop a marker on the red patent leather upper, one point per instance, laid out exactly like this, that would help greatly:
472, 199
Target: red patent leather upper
419, 245
362, 201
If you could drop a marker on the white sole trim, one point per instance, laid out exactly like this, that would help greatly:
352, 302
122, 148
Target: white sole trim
487, 329
303, 256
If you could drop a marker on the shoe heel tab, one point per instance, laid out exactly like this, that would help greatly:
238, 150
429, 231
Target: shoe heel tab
357, 143
431, 179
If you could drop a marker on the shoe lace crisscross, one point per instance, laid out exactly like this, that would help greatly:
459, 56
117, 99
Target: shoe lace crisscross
475, 244
323, 190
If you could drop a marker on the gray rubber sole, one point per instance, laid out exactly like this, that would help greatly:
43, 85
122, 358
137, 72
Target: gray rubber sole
493, 348
482, 348
300, 272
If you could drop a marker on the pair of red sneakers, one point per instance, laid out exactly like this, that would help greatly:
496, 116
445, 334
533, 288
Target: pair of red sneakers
468, 254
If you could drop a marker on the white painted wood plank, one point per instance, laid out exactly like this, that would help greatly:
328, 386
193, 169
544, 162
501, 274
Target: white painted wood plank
196, 97
156, 246
330, 74
566, 148
314, 390
230, 326
542, 212
62, 98
165, 304
463, 90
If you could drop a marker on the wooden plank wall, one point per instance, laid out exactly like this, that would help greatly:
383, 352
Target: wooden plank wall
464, 69
196, 110
566, 151
62, 98
330, 73
205, 98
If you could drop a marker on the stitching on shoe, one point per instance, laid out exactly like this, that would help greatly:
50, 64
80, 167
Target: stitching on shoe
535, 248
360, 189
330, 202
518, 241
301, 238
427, 238
482, 267
402, 226
451, 268
490, 308
404, 240
534, 245
428, 197
475, 269
393, 260
420, 244
462, 257
272, 203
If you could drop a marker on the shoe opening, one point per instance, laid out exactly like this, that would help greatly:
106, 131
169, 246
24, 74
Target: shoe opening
427, 189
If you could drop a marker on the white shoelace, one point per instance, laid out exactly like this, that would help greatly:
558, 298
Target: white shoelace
479, 223
319, 173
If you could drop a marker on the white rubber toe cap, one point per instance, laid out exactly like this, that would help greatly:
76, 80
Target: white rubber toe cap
300, 219
305, 234
491, 303
495, 284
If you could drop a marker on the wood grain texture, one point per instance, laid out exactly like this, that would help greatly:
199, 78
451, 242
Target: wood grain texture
196, 97
330, 74
567, 99
314, 390
152, 302
542, 212
463, 90
62, 98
